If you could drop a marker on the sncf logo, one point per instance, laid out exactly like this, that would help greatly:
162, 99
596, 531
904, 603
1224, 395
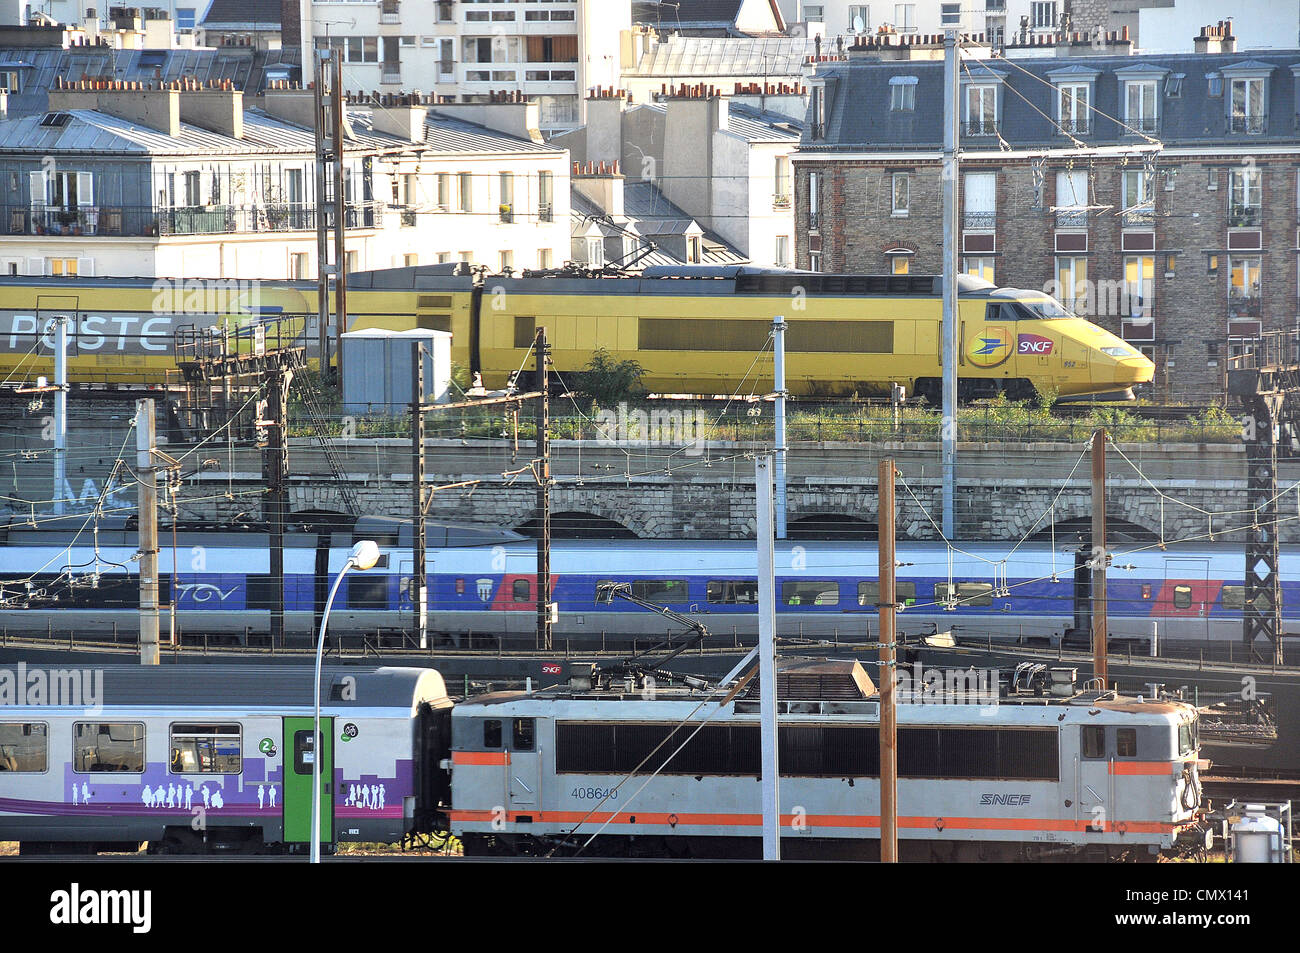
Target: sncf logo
1011, 799
1034, 344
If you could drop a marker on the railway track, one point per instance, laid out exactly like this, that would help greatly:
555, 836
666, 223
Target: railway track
1225, 788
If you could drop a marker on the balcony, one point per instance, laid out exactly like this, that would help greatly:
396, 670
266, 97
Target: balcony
1073, 127
1249, 125
781, 200
506, 213
143, 221
1244, 216
391, 73
980, 221
408, 217
1148, 124
1072, 218
546, 212
1142, 216
389, 12
980, 127
1244, 306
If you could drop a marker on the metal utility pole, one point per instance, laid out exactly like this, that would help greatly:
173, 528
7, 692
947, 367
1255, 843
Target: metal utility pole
888, 670
543, 495
1099, 557
419, 570
778, 367
147, 514
767, 659
950, 231
276, 475
322, 220
340, 220
60, 411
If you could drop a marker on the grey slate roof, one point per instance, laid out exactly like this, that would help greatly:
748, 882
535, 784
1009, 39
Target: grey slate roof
443, 134
247, 69
92, 131
243, 14
750, 123
660, 221
858, 116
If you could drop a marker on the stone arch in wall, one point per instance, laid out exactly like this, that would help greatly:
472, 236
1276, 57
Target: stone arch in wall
830, 526
577, 524
1078, 529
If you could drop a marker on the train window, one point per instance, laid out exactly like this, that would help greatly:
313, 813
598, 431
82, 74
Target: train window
810, 593
23, 747
1094, 742
522, 734
1234, 597
869, 593
968, 593
1126, 743
107, 746
1182, 597
525, 332
206, 749
304, 754
367, 592
522, 590
730, 592
661, 592
492, 733
1186, 740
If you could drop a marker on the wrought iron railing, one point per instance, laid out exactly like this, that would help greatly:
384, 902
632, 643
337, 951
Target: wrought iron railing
138, 220
1250, 125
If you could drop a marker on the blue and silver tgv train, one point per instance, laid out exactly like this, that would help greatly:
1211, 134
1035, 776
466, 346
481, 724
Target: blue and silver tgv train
482, 580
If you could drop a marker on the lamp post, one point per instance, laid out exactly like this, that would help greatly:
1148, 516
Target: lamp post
364, 555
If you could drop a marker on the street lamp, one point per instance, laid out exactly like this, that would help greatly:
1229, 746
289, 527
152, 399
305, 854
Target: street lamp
364, 555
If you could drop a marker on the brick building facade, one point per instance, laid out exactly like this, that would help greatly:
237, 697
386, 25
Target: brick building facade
1157, 196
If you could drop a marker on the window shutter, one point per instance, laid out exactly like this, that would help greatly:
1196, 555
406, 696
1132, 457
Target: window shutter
85, 267
981, 192
85, 189
35, 266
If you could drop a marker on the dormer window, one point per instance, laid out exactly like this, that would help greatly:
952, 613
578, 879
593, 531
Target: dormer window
1247, 105
1072, 107
902, 93
1140, 105
818, 130
981, 110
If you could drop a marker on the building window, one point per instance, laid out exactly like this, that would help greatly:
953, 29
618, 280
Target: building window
814, 261
781, 182
351, 262
1211, 264
595, 253
61, 267
543, 258
814, 200
545, 197
981, 110
1243, 286
900, 264
859, 18
1139, 206
905, 17
1072, 107
444, 191
979, 201
902, 93
507, 206
979, 267
1072, 284
813, 14
1072, 199
466, 198
694, 247
901, 189
1248, 106
298, 264
818, 130
1139, 296
185, 18
410, 261
1140, 105
782, 256
507, 261
1244, 196
1043, 15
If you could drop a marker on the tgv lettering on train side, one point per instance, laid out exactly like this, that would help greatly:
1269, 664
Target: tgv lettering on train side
94, 332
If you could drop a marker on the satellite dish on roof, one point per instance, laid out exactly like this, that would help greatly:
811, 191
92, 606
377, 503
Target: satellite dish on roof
859, 25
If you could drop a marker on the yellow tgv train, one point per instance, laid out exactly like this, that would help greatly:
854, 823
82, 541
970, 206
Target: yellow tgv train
695, 330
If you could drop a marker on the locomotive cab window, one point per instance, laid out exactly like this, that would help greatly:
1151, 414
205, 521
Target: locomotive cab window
107, 746
522, 737
869, 593
810, 593
492, 733
522, 590
206, 749
1094, 742
968, 593
1126, 743
24, 748
730, 592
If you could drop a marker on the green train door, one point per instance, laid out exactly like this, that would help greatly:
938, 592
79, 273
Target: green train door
298, 755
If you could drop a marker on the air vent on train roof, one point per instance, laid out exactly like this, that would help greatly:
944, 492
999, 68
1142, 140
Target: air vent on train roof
820, 680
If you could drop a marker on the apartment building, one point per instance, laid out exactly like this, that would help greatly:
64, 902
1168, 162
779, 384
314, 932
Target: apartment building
548, 50
170, 181
1156, 195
